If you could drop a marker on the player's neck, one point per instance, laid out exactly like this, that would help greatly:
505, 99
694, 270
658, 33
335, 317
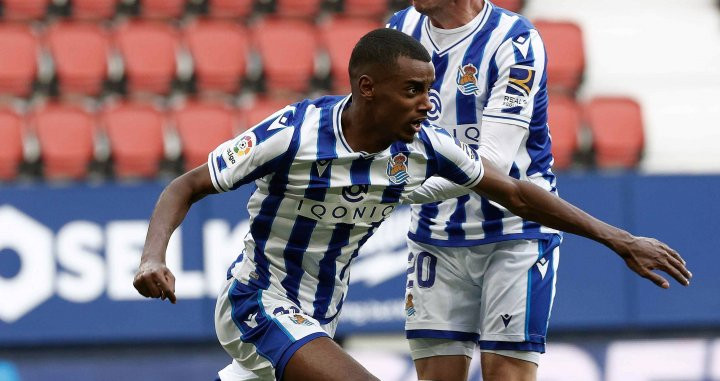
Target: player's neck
360, 131
456, 14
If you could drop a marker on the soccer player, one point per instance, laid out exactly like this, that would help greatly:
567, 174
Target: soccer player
328, 171
482, 274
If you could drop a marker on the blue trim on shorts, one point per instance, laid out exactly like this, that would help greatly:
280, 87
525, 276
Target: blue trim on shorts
439, 334
294, 347
512, 346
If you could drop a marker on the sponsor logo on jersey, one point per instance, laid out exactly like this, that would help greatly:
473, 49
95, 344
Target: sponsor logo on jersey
397, 168
409, 305
521, 80
300, 320
506, 319
467, 80
343, 213
355, 193
436, 102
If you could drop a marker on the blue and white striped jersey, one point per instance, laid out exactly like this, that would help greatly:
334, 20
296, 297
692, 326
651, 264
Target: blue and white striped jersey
491, 70
317, 201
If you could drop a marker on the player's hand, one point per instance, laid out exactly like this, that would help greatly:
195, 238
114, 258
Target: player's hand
155, 280
643, 255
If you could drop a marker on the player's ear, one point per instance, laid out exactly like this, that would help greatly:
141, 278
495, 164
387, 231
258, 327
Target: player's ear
366, 86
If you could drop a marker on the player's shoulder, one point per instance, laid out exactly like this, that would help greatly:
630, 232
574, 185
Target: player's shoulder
521, 25
397, 20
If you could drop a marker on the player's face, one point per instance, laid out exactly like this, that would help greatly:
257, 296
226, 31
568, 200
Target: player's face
429, 7
403, 98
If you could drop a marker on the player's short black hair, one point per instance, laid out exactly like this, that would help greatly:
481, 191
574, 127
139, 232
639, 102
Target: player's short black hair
382, 47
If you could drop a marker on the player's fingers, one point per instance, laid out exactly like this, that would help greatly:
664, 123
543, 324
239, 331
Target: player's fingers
674, 272
674, 254
166, 287
680, 266
657, 279
147, 287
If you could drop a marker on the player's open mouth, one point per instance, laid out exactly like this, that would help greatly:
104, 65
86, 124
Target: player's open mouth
417, 123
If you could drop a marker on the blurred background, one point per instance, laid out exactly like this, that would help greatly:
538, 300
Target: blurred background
102, 102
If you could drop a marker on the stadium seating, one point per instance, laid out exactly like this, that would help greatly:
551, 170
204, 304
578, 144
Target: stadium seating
202, 127
297, 8
80, 51
65, 134
511, 5
230, 8
260, 109
219, 50
162, 9
18, 59
365, 8
93, 9
564, 117
339, 36
287, 49
565, 52
148, 49
11, 144
135, 132
25, 9
617, 130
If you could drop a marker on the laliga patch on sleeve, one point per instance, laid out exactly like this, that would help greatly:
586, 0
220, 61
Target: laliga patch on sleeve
242, 146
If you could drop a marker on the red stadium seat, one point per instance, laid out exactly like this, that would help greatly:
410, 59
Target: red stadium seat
564, 120
365, 8
511, 5
260, 109
297, 8
66, 135
219, 50
230, 8
18, 59
25, 9
287, 49
148, 50
94, 9
617, 130
135, 132
202, 127
11, 144
565, 53
80, 51
339, 36
162, 9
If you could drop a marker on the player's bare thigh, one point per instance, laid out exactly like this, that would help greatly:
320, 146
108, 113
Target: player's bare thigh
322, 359
496, 367
443, 368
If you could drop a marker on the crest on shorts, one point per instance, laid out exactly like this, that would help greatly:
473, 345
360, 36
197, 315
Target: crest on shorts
299, 319
397, 168
467, 81
409, 305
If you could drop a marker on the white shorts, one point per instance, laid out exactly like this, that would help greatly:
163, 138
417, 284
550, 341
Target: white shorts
498, 295
261, 330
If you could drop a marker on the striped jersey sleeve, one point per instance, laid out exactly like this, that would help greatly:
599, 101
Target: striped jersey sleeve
453, 159
253, 154
520, 63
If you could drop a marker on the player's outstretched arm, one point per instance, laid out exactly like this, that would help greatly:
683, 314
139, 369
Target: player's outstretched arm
153, 279
642, 255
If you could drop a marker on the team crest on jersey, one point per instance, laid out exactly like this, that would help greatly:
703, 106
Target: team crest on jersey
300, 320
521, 80
409, 305
397, 168
467, 80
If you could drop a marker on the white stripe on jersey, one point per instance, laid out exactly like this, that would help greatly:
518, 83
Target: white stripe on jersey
317, 201
492, 69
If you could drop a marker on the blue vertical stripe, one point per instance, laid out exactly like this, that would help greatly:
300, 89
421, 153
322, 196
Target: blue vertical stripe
398, 19
417, 32
540, 291
262, 224
454, 225
303, 227
328, 267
